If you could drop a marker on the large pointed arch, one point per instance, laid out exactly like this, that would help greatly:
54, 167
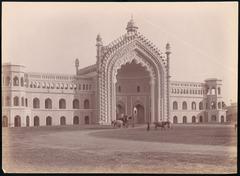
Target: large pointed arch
125, 50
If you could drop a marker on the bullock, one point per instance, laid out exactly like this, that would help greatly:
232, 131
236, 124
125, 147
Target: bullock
160, 124
117, 123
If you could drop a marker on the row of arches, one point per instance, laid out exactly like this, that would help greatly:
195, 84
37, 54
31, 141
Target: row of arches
194, 119
16, 81
62, 103
138, 89
16, 101
200, 105
212, 91
187, 91
36, 121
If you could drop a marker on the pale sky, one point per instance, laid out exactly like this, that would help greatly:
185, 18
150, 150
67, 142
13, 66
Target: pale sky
48, 37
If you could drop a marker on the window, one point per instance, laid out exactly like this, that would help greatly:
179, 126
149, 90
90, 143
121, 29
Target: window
86, 86
200, 106
75, 104
184, 119
16, 101
62, 104
138, 88
8, 101
219, 105
213, 105
15, 81
7, 81
36, 103
184, 105
213, 91
22, 101
193, 106
26, 102
48, 103
83, 86
219, 90
86, 104
22, 82
175, 105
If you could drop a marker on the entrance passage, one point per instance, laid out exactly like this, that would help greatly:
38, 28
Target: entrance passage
140, 114
17, 121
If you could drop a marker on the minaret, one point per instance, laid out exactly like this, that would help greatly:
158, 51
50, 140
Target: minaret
76, 65
168, 52
99, 45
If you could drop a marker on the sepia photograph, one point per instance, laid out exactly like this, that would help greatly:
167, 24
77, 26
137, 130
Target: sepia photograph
119, 87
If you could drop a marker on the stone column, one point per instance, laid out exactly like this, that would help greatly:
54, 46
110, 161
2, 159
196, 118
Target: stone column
152, 85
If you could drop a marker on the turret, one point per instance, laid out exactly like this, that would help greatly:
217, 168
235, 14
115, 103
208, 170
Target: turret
131, 27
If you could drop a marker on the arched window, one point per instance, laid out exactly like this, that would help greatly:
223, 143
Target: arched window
175, 119
4, 121
8, 81
8, 101
138, 88
36, 103
63, 120
86, 86
213, 91
49, 121
22, 100
201, 106
193, 105
219, 105
27, 121
17, 121
48, 103
175, 105
184, 119
75, 104
219, 90
83, 86
22, 82
119, 88
62, 104
16, 101
184, 105
26, 102
213, 105
86, 120
86, 104
15, 81
193, 119
75, 120
36, 121
213, 118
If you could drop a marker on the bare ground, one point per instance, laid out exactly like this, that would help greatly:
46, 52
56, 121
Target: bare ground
185, 149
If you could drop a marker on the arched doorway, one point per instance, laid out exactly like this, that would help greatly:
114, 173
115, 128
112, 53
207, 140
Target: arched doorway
49, 121
86, 120
193, 119
200, 119
76, 120
17, 121
140, 116
36, 121
175, 119
5, 121
222, 119
184, 119
62, 120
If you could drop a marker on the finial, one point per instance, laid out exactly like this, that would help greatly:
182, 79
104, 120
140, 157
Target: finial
131, 26
99, 40
76, 63
168, 48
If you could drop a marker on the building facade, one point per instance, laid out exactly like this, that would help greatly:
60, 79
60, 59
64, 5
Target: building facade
131, 76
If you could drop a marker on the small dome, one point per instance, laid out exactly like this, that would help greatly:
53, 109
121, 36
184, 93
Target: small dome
131, 26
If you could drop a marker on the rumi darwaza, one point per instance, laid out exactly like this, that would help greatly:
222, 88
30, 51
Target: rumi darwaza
131, 76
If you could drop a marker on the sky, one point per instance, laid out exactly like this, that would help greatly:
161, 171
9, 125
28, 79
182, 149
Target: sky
48, 37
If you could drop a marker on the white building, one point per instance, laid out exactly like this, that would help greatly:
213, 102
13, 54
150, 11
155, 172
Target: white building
129, 72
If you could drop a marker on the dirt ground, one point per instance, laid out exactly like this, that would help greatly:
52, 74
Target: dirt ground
183, 149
